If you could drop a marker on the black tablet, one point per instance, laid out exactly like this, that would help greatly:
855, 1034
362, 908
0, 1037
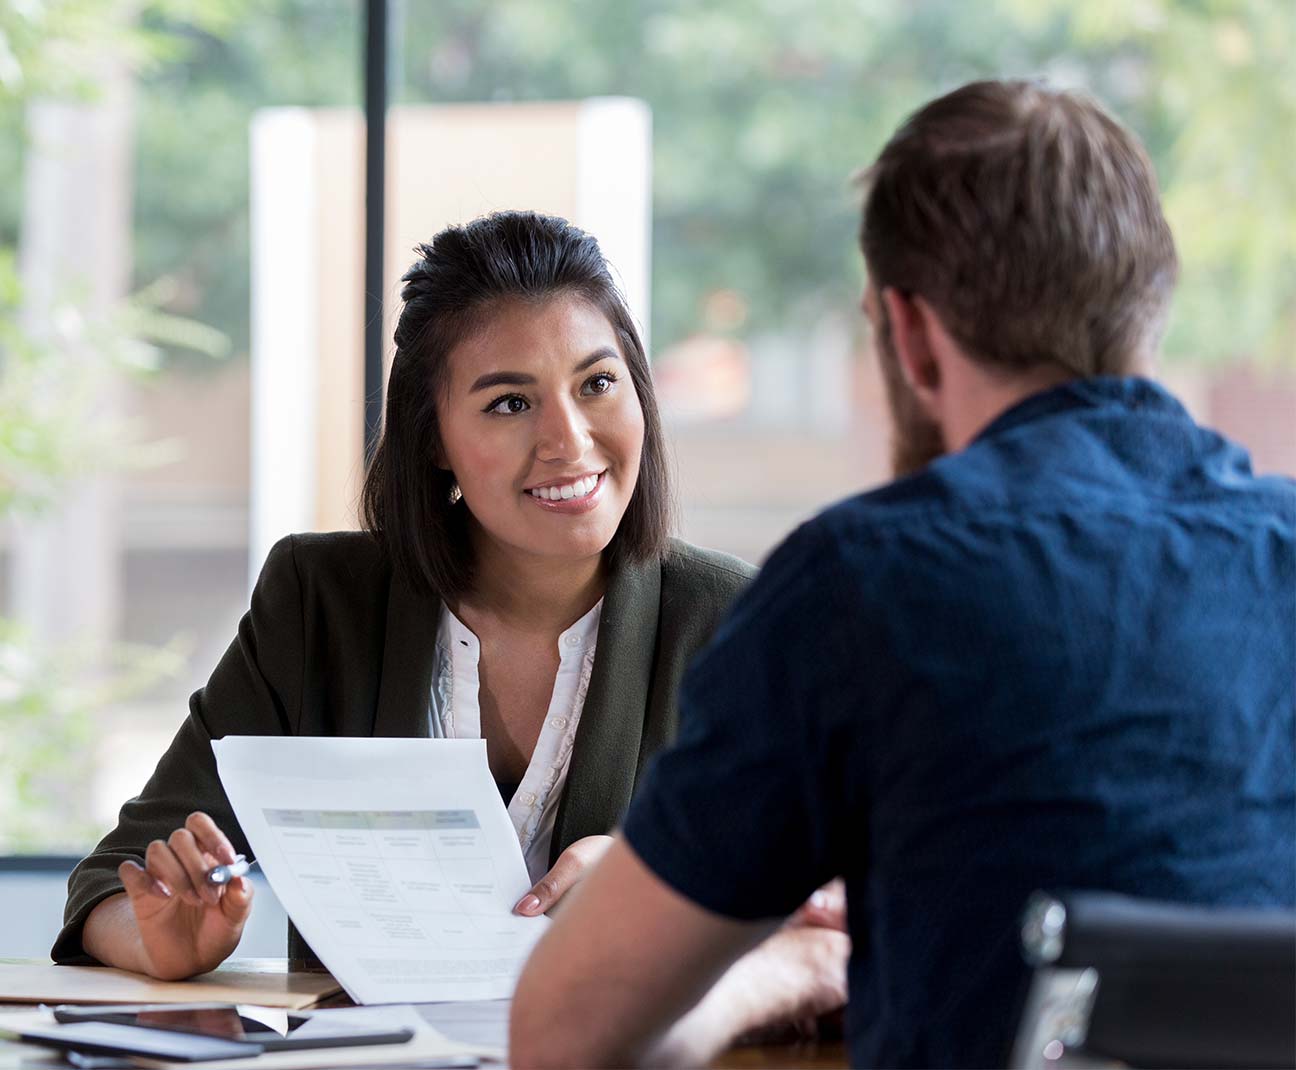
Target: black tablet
113, 1038
224, 1021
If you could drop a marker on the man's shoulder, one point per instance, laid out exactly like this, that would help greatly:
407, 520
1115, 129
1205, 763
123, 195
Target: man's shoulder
690, 571
870, 543
902, 505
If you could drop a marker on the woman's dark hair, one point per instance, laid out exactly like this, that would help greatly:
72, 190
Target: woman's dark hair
449, 292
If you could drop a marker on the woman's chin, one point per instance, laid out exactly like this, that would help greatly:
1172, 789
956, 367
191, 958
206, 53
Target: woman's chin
575, 548
571, 542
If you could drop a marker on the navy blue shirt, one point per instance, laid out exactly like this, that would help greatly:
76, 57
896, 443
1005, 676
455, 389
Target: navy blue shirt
1061, 658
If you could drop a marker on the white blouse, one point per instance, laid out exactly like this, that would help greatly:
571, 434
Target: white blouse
455, 713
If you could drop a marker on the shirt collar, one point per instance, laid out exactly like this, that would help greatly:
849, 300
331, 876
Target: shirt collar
1129, 392
580, 637
456, 635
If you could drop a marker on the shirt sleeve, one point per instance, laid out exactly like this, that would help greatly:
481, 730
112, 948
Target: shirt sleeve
744, 814
254, 690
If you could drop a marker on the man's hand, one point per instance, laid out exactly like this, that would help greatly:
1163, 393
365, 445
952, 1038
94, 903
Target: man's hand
825, 909
183, 925
789, 981
570, 867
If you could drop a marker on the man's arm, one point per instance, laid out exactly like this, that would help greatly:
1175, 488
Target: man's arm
625, 959
625, 976
742, 817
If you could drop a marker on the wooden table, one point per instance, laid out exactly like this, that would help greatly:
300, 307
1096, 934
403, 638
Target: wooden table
473, 1022
806, 1055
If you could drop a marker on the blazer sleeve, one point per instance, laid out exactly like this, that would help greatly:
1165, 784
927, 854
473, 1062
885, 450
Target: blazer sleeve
255, 690
698, 588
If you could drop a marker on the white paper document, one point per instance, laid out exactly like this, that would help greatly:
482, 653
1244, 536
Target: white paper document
395, 859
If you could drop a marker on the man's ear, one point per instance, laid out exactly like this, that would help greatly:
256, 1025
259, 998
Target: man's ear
912, 340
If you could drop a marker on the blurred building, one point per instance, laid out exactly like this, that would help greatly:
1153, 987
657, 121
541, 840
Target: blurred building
761, 112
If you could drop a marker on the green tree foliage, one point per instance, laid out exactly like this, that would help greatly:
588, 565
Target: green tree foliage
48, 731
53, 431
762, 110
50, 430
191, 201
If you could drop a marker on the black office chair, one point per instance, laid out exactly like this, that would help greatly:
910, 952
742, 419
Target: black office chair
1148, 984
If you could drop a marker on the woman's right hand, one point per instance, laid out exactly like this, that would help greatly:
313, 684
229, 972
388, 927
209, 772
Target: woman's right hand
186, 925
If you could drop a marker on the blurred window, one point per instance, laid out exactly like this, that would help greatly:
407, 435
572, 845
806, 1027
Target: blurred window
125, 260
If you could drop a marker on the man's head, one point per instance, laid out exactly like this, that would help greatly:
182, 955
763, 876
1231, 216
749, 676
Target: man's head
1018, 229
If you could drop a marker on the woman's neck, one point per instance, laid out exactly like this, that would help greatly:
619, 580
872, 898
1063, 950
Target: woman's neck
528, 593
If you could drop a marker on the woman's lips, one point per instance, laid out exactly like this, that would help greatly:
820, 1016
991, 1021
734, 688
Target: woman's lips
574, 504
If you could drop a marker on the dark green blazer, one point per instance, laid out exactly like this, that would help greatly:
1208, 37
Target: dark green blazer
334, 645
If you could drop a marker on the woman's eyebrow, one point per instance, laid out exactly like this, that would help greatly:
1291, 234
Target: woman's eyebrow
483, 382
500, 379
602, 353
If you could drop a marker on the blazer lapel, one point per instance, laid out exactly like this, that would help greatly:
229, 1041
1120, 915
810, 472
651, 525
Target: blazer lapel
605, 755
409, 652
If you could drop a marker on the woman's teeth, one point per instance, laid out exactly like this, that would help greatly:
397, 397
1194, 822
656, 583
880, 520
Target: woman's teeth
578, 489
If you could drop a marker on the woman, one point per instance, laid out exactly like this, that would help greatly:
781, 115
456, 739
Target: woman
516, 582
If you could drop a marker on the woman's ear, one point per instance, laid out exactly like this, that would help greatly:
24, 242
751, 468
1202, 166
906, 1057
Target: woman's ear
438, 459
438, 454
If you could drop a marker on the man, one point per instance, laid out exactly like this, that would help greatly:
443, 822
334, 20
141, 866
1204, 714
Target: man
1057, 655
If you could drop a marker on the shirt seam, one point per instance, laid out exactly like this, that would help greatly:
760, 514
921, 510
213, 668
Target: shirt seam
989, 514
721, 569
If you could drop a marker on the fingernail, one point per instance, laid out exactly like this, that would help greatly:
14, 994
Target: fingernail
819, 900
162, 889
529, 904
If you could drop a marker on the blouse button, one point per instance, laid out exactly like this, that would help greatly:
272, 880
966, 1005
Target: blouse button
529, 798
558, 722
572, 640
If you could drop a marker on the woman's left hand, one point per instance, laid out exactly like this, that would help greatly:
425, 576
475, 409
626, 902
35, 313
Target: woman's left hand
571, 866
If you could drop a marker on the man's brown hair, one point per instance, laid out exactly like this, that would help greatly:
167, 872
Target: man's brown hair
1029, 219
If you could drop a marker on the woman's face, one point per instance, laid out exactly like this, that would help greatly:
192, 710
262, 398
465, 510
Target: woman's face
542, 428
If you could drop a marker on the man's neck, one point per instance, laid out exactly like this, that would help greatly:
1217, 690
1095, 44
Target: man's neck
529, 593
982, 397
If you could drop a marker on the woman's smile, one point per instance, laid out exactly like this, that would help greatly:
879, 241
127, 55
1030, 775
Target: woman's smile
579, 495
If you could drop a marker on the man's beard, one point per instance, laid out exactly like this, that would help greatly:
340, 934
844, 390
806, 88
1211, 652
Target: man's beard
916, 438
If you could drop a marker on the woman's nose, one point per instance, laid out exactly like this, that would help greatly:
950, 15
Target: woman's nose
564, 434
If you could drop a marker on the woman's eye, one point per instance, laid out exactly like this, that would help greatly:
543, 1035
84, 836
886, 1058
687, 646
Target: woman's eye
599, 384
509, 405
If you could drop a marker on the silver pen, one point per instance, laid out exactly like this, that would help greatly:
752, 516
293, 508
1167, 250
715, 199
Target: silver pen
220, 875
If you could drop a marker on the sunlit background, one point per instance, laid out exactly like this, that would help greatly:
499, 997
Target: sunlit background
181, 291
